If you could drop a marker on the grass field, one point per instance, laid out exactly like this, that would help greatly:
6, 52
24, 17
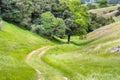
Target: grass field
87, 59
15, 44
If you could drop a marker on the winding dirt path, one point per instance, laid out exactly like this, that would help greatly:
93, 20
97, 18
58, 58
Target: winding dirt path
39, 52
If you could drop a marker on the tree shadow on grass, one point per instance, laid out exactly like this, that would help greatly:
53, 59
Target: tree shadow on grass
54, 39
58, 41
84, 43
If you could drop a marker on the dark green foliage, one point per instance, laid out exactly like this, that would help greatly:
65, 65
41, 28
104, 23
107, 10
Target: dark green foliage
97, 22
103, 3
110, 20
61, 10
17, 11
52, 17
50, 26
41, 6
27, 13
91, 6
70, 27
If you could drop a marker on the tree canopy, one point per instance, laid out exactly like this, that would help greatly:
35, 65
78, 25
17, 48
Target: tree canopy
52, 17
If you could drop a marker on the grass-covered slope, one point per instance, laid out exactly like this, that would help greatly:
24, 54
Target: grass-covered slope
15, 44
80, 60
105, 12
92, 60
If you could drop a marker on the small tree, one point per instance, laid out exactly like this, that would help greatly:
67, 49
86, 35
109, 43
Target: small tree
70, 27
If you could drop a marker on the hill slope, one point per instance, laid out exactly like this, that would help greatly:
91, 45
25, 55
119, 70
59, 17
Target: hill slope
15, 44
81, 60
105, 12
92, 60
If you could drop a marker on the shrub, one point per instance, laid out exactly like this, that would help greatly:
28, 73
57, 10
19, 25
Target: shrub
103, 3
91, 6
50, 26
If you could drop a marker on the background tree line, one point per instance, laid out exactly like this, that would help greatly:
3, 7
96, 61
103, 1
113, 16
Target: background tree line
51, 17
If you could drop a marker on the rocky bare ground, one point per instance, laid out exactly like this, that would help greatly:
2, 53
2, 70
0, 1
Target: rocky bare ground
114, 49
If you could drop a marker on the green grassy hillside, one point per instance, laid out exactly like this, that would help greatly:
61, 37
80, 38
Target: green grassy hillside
87, 59
91, 61
15, 44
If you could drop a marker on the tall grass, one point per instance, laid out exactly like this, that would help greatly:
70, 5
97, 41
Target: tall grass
15, 44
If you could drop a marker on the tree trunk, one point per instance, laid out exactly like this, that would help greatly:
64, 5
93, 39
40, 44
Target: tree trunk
68, 39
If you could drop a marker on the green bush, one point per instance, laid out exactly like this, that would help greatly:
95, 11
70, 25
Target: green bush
50, 26
97, 22
103, 3
91, 6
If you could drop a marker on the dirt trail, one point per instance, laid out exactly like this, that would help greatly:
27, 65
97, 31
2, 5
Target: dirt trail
39, 52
